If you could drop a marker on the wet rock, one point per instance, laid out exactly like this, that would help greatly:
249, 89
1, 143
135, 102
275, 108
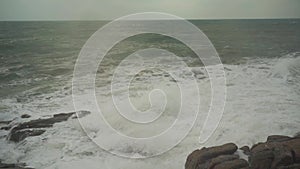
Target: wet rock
33, 127
293, 166
43, 123
261, 159
20, 135
277, 138
198, 157
13, 166
246, 150
24, 116
283, 156
220, 159
278, 152
233, 164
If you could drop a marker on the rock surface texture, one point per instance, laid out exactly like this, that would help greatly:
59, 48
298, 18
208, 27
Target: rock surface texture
278, 152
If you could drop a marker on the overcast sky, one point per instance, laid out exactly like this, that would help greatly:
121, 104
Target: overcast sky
112, 9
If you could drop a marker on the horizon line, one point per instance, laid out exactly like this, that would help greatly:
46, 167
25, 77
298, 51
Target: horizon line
108, 20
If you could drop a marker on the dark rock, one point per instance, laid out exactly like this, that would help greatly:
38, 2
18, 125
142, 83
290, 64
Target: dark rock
246, 150
24, 116
294, 145
44, 123
205, 154
5, 122
234, 164
277, 151
13, 166
20, 135
221, 159
32, 128
278, 138
261, 159
193, 160
283, 156
293, 166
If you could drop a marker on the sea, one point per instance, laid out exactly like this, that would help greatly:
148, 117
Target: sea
261, 63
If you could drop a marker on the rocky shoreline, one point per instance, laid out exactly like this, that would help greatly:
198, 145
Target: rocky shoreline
278, 152
36, 127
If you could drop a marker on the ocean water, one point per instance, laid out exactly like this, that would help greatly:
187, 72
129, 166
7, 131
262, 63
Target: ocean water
261, 59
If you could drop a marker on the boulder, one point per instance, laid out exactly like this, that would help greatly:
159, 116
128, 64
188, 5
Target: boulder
277, 138
233, 164
204, 155
220, 159
276, 152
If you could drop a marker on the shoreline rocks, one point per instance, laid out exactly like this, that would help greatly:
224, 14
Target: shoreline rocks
278, 152
32, 128
37, 127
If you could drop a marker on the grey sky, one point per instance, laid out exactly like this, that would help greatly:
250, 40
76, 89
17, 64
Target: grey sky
111, 9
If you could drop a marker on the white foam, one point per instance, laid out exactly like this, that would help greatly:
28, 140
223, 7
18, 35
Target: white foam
261, 100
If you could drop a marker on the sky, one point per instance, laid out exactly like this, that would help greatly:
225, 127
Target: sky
112, 9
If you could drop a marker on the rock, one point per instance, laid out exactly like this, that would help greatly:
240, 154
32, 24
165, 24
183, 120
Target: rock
234, 164
293, 166
20, 135
24, 116
13, 166
278, 152
294, 145
44, 123
283, 156
205, 154
5, 122
33, 127
193, 160
277, 138
261, 159
246, 150
221, 159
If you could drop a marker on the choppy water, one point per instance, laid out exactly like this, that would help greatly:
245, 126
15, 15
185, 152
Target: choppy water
262, 66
